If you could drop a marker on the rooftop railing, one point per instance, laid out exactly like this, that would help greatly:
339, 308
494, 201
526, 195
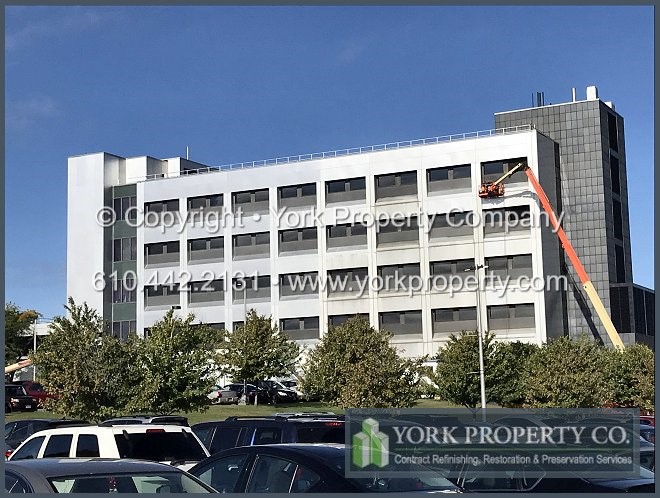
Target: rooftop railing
342, 152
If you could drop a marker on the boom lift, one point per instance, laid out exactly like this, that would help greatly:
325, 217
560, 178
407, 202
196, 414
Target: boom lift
489, 190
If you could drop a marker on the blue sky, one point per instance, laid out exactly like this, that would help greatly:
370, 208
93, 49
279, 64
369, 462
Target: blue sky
246, 83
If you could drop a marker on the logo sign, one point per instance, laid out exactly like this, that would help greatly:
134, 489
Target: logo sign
466, 444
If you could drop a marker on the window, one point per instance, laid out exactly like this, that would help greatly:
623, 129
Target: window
161, 295
298, 240
122, 329
353, 189
121, 205
16, 484
396, 231
123, 291
161, 253
453, 320
250, 202
124, 249
493, 170
300, 328
612, 132
160, 207
453, 267
615, 174
620, 308
350, 280
620, 264
396, 184
449, 178
337, 320
513, 266
29, 450
452, 224
618, 222
346, 235
87, 446
298, 284
58, 446
222, 474
214, 201
504, 220
224, 438
399, 278
205, 292
251, 289
512, 316
297, 195
251, 245
401, 322
206, 249
271, 475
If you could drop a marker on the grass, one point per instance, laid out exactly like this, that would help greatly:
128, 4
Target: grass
221, 412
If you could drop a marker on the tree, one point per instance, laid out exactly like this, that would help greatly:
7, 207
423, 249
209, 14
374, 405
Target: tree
507, 372
355, 366
457, 370
17, 326
630, 375
568, 373
175, 366
256, 350
88, 370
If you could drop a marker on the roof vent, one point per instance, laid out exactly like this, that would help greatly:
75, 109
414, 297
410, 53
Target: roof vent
592, 93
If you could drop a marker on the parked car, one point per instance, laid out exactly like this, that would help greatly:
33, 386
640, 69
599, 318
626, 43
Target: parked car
285, 428
302, 394
647, 420
176, 445
647, 432
17, 400
98, 476
18, 431
146, 419
263, 398
304, 468
278, 393
36, 390
223, 396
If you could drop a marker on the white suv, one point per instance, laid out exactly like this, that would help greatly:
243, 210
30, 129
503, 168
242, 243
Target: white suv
175, 445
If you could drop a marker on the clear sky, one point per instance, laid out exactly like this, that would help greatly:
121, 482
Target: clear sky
246, 83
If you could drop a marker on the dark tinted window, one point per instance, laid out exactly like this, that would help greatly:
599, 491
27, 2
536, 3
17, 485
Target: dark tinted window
16, 484
14, 391
223, 473
58, 446
159, 446
267, 435
203, 433
87, 446
327, 432
30, 450
225, 438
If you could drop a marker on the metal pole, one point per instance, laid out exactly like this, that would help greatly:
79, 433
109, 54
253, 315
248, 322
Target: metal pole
34, 350
482, 375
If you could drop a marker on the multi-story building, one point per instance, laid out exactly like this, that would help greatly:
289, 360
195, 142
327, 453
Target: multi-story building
395, 233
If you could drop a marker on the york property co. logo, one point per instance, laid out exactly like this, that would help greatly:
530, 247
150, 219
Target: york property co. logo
370, 446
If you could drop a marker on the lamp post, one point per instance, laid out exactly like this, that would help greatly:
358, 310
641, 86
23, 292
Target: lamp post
482, 376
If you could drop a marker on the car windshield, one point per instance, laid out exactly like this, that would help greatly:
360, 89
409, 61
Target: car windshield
414, 478
289, 383
323, 432
160, 446
152, 482
15, 391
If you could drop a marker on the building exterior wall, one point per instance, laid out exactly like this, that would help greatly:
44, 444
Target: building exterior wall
411, 195
594, 198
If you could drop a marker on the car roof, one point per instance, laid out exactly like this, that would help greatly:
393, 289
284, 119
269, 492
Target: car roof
49, 467
53, 420
114, 429
320, 451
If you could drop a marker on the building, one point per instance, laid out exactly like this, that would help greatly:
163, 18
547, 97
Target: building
594, 194
389, 232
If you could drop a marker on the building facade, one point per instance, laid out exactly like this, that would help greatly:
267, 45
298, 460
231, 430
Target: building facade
395, 233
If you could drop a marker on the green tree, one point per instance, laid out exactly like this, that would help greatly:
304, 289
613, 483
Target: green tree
17, 326
354, 366
630, 375
89, 370
175, 366
568, 373
457, 370
507, 372
257, 350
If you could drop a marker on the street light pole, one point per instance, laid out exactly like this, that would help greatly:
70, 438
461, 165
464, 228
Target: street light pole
482, 375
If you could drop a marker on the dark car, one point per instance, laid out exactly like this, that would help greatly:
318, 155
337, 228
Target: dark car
304, 468
277, 392
285, 428
17, 400
146, 419
36, 390
263, 398
98, 475
647, 432
18, 431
